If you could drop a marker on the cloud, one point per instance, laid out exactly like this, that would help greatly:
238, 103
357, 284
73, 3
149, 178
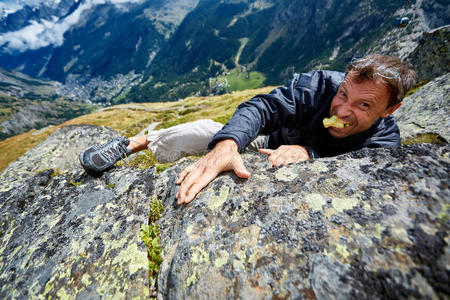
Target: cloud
49, 32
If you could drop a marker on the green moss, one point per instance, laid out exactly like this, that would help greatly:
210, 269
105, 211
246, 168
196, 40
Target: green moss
150, 236
428, 138
143, 160
56, 172
444, 213
111, 185
416, 87
75, 183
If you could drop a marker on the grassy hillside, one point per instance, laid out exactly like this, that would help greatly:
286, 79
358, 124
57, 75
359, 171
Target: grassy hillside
130, 119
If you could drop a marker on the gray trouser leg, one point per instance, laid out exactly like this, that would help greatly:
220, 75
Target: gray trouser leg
258, 143
171, 144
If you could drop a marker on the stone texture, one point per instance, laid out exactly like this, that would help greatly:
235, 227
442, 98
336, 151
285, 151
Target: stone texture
431, 57
426, 111
59, 152
372, 224
73, 235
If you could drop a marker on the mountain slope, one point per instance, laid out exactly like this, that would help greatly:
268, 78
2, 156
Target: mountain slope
90, 40
166, 50
277, 38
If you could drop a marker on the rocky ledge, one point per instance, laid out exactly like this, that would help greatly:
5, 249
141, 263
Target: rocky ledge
368, 224
65, 234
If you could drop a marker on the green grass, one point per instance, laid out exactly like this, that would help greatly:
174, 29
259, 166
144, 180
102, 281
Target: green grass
129, 121
239, 81
416, 87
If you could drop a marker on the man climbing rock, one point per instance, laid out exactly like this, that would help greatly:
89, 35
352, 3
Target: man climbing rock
287, 124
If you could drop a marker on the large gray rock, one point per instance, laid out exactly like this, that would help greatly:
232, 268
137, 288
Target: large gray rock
371, 224
59, 152
431, 57
72, 235
426, 112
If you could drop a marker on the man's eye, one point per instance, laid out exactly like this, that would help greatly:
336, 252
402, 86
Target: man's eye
342, 93
365, 105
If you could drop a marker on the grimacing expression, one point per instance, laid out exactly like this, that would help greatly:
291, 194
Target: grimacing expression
359, 104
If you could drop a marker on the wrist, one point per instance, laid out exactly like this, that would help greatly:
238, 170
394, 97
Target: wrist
229, 144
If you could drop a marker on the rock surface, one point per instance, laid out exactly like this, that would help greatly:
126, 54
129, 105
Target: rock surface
72, 235
371, 224
59, 152
368, 224
431, 57
426, 112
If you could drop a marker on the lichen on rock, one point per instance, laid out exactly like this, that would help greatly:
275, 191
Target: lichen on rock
425, 113
317, 234
65, 240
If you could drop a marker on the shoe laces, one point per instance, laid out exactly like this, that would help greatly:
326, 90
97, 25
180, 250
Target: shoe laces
114, 150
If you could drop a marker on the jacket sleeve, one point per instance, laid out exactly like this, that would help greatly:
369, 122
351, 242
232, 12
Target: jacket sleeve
284, 107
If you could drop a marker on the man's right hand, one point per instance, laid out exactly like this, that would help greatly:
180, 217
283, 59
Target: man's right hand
224, 157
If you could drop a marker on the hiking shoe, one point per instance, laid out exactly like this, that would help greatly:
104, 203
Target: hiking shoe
100, 158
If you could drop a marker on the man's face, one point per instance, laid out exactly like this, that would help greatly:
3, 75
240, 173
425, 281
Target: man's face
359, 104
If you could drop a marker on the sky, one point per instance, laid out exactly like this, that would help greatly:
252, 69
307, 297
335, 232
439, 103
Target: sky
43, 33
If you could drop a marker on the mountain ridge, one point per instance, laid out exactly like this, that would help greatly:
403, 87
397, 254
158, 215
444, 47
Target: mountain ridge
179, 51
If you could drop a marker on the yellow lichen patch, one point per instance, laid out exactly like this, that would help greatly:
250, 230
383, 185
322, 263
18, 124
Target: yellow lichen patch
443, 215
86, 280
138, 259
285, 174
387, 197
261, 177
315, 201
329, 212
378, 230
217, 201
53, 222
189, 229
237, 213
222, 258
342, 251
6, 237
191, 280
200, 260
62, 294
344, 203
319, 167
199, 255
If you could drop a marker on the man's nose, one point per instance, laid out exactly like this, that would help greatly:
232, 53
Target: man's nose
343, 111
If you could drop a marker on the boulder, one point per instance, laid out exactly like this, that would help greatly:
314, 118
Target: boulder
431, 57
58, 152
71, 235
371, 224
424, 116
368, 224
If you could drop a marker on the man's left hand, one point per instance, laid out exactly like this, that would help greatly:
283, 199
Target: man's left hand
286, 154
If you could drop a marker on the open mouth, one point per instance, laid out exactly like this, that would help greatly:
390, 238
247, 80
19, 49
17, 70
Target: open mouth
334, 121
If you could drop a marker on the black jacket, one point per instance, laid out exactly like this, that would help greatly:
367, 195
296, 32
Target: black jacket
293, 114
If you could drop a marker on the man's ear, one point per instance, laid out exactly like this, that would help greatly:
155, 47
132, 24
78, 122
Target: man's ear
388, 111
